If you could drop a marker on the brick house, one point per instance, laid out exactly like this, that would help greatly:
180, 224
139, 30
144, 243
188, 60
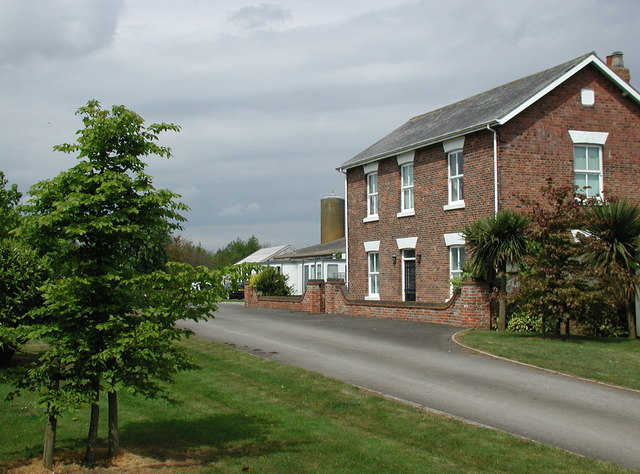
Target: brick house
409, 194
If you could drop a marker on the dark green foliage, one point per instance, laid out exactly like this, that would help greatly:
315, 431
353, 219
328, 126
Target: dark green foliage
614, 243
555, 283
235, 251
21, 272
496, 242
9, 198
270, 282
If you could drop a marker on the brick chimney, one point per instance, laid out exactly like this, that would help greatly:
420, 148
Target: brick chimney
616, 63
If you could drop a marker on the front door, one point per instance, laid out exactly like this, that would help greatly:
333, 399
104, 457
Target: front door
409, 262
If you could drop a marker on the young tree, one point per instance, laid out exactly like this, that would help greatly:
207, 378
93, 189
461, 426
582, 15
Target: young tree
614, 230
496, 242
103, 226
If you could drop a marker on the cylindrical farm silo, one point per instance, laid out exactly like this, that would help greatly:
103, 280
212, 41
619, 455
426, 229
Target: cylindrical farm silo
331, 218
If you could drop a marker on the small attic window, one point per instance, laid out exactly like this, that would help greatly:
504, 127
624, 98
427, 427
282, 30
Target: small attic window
588, 97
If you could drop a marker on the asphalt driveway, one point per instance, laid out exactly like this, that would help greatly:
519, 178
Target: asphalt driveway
419, 363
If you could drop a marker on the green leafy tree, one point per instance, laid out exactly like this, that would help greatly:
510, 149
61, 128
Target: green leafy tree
183, 250
9, 198
496, 242
109, 311
21, 272
614, 230
235, 251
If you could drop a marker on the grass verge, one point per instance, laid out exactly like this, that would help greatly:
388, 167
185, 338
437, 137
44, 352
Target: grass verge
240, 412
614, 360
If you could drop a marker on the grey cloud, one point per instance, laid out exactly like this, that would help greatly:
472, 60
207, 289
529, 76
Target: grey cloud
55, 28
258, 16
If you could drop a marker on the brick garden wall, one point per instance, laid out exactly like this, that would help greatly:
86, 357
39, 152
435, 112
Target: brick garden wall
468, 308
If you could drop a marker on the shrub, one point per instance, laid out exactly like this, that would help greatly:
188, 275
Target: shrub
270, 282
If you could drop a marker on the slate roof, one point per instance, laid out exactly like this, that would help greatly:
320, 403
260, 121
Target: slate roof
320, 250
472, 114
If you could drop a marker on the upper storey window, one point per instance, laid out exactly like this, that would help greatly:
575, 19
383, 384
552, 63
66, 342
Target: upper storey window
371, 174
587, 161
405, 161
456, 177
455, 170
372, 194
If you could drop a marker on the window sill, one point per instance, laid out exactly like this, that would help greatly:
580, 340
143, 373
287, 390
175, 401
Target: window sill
406, 213
453, 205
372, 298
372, 218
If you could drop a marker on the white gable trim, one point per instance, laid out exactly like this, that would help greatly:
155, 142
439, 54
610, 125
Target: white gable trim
597, 138
592, 59
407, 243
454, 239
372, 246
453, 144
405, 158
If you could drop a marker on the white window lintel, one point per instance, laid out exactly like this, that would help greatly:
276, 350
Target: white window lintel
595, 138
453, 144
372, 246
454, 239
370, 167
405, 158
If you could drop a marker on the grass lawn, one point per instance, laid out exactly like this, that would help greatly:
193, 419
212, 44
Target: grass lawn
242, 412
613, 361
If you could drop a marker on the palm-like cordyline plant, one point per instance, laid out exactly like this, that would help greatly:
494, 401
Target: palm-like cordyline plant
616, 227
496, 242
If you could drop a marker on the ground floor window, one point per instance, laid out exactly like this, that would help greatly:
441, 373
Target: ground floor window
456, 262
374, 274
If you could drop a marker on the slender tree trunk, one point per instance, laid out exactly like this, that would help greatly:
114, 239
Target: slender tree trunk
502, 304
49, 441
50, 430
114, 430
92, 438
631, 319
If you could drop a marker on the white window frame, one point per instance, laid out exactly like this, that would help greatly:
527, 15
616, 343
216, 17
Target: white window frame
586, 172
589, 140
455, 272
454, 241
406, 189
373, 275
371, 172
459, 177
405, 162
372, 194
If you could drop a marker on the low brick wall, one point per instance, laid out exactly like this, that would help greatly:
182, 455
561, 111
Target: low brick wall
468, 308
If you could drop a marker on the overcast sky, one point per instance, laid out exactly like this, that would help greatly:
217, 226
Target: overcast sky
273, 96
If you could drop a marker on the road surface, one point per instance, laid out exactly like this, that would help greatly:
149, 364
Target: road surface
419, 363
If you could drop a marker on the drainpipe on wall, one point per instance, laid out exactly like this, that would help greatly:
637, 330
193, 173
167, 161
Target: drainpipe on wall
495, 169
346, 233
